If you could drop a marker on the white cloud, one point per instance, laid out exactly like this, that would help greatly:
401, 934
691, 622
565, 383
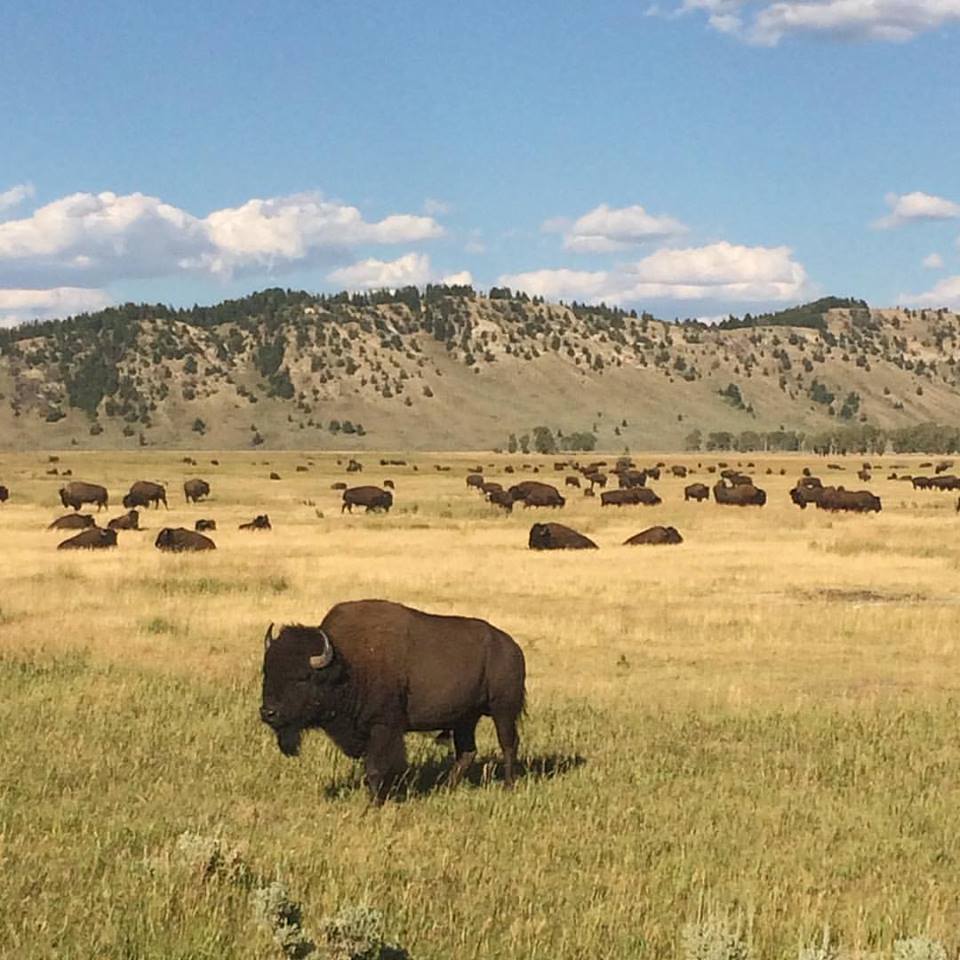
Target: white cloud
19, 306
915, 207
15, 196
946, 293
462, 279
433, 207
767, 22
933, 262
413, 269
605, 229
719, 271
97, 238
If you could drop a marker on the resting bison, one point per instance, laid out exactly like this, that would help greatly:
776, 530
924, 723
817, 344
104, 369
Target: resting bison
555, 536
741, 495
696, 491
93, 539
372, 498
202, 525
4, 494
179, 539
533, 493
857, 501
195, 490
374, 670
339, 485
654, 536
145, 492
129, 521
73, 521
633, 495
260, 522
76, 493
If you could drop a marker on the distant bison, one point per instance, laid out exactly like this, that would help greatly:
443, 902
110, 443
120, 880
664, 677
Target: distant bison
95, 538
73, 521
740, 495
856, 501
129, 521
696, 491
571, 481
654, 536
371, 498
534, 493
260, 522
274, 476
389, 485
202, 525
678, 471
555, 536
4, 494
374, 670
145, 492
76, 493
629, 497
195, 490
339, 485
629, 479
180, 540
475, 480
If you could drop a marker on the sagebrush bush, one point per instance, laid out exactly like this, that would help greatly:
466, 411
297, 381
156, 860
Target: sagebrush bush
713, 940
919, 948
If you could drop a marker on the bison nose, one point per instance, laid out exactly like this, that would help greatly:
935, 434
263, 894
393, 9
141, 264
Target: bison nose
268, 714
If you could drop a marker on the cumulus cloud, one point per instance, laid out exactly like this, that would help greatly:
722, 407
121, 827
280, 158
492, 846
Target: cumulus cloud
946, 293
767, 22
413, 269
15, 196
97, 238
916, 207
19, 306
933, 262
462, 279
606, 229
718, 271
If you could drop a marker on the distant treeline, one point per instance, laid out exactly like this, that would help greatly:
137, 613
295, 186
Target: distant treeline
811, 315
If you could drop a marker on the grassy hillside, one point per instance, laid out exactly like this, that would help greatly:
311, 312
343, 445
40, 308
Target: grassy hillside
446, 368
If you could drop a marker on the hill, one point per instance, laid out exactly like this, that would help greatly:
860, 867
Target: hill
447, 368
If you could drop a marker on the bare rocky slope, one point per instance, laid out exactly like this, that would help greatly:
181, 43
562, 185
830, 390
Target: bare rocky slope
447, 368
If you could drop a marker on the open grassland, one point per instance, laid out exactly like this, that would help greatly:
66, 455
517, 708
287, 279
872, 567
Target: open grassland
758, 724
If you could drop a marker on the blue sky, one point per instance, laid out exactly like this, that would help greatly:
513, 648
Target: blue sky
691, 157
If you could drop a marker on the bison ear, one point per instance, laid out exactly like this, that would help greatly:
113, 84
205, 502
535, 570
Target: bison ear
324, 658
268, 638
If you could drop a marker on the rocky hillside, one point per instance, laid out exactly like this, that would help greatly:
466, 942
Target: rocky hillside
448, 368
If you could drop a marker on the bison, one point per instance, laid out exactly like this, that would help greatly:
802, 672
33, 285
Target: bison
4, 494
260, 522
628, 497
145, 492
195, 490
533, 493
339, 485
857, 501
501, 498
76, 493
389, 485
129, 521
374, 670
739, 495
96, 538
73, 521
180, 540
696, 491
654, 536
571, 481
555, 536
475, 480
678, 471
202, 525
372, 498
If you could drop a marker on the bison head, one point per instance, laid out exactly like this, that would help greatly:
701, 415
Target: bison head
302, 678
129, 501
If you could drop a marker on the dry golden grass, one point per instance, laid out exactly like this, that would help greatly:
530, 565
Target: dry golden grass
760, 722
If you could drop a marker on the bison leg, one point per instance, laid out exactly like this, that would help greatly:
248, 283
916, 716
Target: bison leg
465, 747
385, 759
509, 740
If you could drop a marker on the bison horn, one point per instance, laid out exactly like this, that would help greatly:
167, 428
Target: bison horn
268, 637
323, 658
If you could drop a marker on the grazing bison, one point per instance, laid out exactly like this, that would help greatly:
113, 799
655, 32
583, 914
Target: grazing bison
571, 481
73, 521
195, 490
201, 525
145, 492
475, 480
374, 670
4, 494
180, 540
630, 479
623, 498
740, 495
372, 498
696, 491
95, 538
501, 498
490, 486
129, 521
533, 493
555, 536
76, 493
260, 522
654, 536
678, 471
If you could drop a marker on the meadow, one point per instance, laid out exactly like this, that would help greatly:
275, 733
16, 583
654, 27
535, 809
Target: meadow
758, 726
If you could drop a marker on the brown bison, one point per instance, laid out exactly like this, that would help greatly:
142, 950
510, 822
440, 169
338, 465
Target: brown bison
534, 493
372, 498
339, 485
739, 495
678, 471
596, 479
195, 490
354, 466
203, 525
389, 485
73, 521
145, 492
501, 498
76, 493
181, 540
630, 479
475, 480
260, 522
555, 536
696, 491
634, 495
571, 481
374, 670
491, 486
95, 538
654, 536
129, 521
857, 501
4, 494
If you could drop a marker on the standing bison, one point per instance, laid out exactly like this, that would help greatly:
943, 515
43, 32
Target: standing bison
740, 495
696, 491
372, 498
145, 492
76, 493
534, 493
95, 538
180, 540
555, 536
195, 490
374, 670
